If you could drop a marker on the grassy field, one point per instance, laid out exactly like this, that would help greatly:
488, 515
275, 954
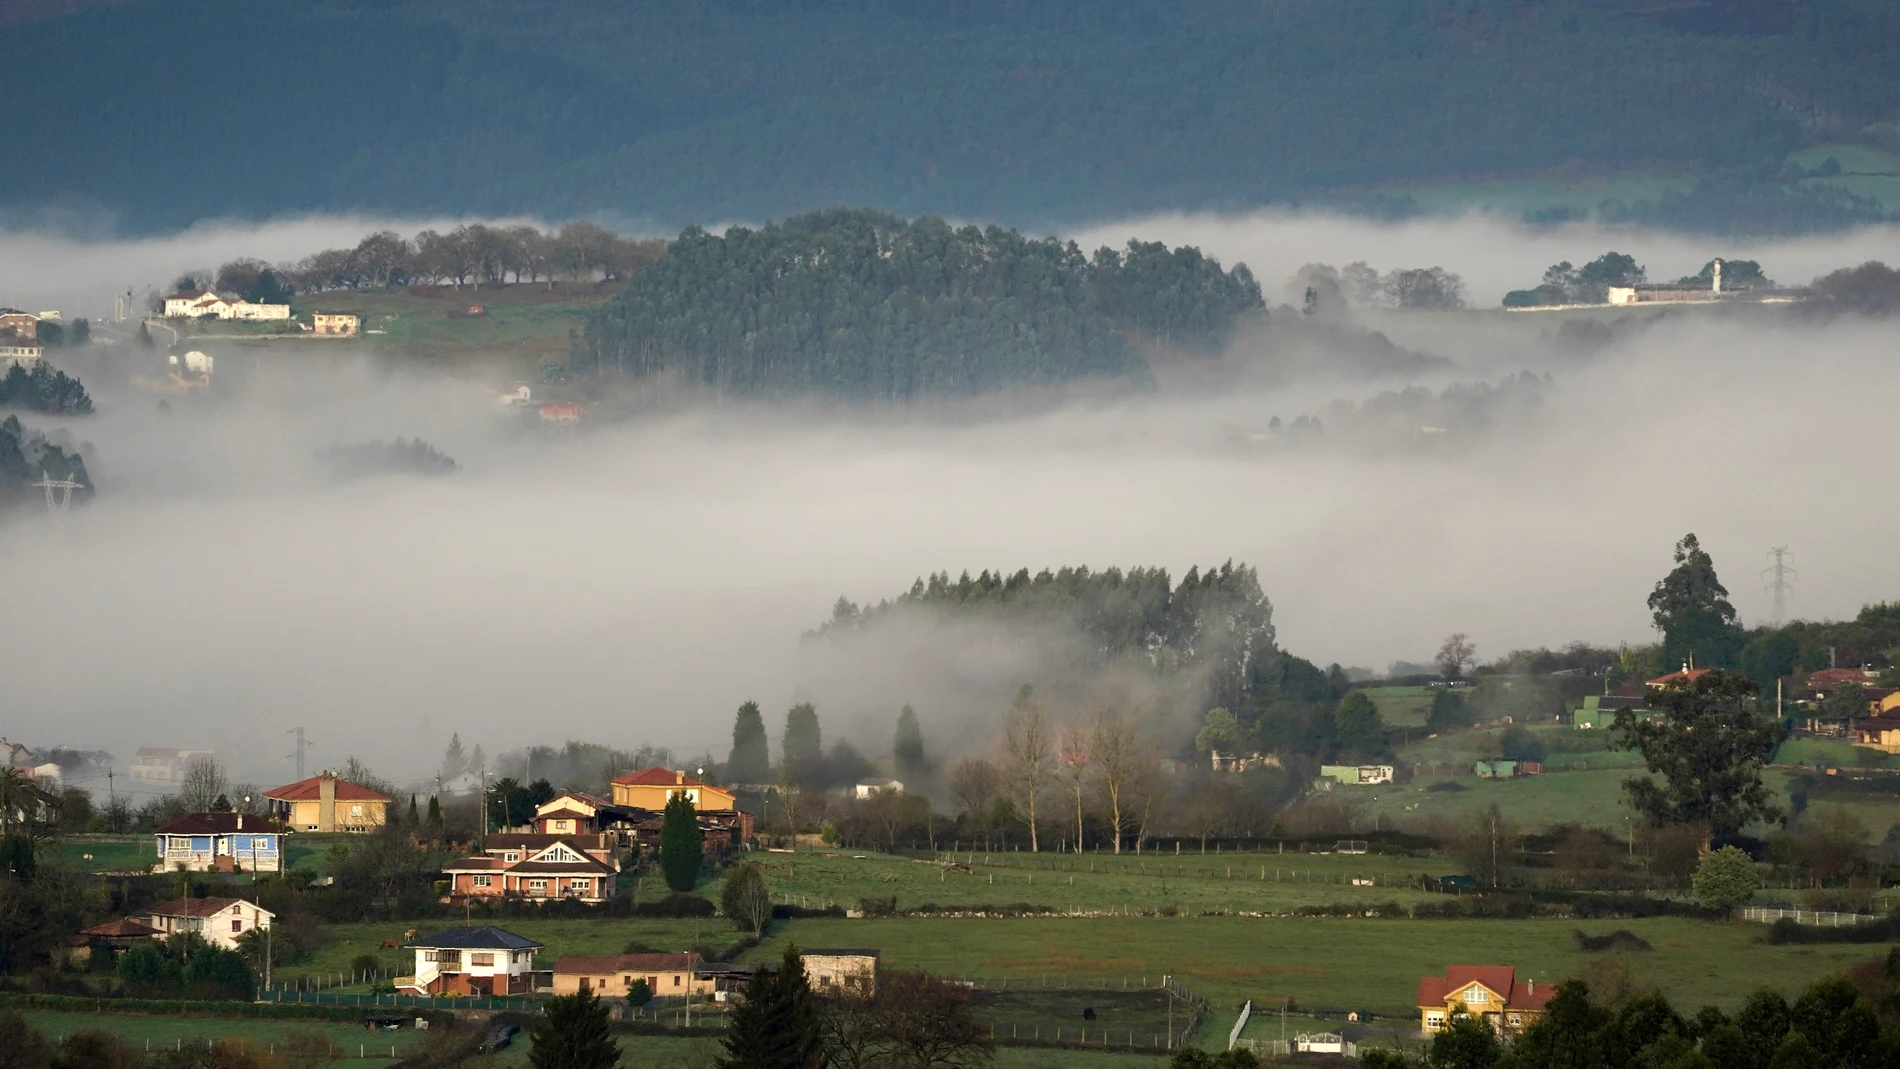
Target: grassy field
1402, 706
524, 325
168, 1031
698, 1053
120, 853
1325, 963
1187, 882
1865, 171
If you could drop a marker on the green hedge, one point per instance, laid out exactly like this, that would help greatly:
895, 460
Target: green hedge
191, 1008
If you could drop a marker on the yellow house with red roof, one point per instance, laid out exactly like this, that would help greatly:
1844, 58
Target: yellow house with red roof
1490, 993
325, 803
651, 788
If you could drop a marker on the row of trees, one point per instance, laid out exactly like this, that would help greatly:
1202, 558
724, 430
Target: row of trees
468, 254
1564, 283
1359, 283
863, 305
44, 389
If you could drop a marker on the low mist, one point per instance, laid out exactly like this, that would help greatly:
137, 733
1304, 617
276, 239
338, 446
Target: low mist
634, 581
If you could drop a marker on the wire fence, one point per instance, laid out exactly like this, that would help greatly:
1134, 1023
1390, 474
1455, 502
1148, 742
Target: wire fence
1819, 917
372, 1000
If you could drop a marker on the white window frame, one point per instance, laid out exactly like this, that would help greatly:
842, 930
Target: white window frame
482, 881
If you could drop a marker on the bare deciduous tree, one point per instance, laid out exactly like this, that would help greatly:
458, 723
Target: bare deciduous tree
1074, 769
1029, 757
1124, 760
1457, 652
204, 781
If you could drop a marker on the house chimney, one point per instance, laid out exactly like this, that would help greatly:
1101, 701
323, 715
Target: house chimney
679, 777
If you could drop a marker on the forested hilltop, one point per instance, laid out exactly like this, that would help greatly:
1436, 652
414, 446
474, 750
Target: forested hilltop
1216, 625
863, 305
1039, 113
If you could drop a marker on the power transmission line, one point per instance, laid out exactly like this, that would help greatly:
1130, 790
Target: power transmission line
66, 486
1781, 578
302, 745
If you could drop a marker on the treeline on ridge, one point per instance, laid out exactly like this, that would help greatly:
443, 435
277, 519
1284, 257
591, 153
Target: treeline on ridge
1216, 621
863, 305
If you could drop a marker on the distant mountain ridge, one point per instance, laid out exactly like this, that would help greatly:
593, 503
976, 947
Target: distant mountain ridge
164, 112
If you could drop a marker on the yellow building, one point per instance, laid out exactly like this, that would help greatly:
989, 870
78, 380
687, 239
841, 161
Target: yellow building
669, 975
1490, 993
324, 803
341, 324
651, 788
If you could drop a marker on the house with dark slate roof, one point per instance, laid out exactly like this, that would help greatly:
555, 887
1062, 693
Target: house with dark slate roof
471, 961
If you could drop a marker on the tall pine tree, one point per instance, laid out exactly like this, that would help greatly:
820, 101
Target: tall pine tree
777, 1025
681, 849
803, 747
907, 752
750, 762
572, 1033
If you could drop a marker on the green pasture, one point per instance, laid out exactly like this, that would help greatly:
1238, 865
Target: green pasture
526, 321
1564, 746
1837, 752
700, 1053
1189, 882
1401, 706
118, 853
1331, 964
139, 1029
1865, 171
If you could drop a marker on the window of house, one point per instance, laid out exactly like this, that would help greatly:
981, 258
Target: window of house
1477, 996
537, 885
1516, 1019
237, 925
484, 881
676, 980
578, 885
511, 856
356, 810
1434, 1020
481, 958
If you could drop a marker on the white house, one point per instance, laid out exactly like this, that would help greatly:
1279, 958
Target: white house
163, 764
871, 786
202, 304
471, 961
222, 921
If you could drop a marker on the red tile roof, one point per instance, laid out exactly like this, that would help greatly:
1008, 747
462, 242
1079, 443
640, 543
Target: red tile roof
1677, 679
1835, 677
624, 963
190, 907
305, 790
122, 929
659, 777
1501, 979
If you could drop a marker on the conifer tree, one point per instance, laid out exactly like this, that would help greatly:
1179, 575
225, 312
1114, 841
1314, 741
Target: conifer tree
572, 1033
907, 752
435, 811
681, 849
777, 1025
415, 819
802, 748
750, 761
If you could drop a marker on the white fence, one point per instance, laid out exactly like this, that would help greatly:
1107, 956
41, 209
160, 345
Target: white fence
1823, 918
1246, 1011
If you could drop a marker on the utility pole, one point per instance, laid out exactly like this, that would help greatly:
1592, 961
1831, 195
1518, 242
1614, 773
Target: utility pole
302, 745
1780, 578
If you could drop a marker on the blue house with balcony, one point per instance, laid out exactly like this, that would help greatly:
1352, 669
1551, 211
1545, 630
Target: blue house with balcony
220, 842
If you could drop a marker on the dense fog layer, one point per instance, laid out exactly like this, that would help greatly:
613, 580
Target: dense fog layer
634, 581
